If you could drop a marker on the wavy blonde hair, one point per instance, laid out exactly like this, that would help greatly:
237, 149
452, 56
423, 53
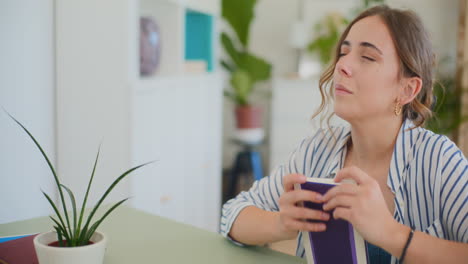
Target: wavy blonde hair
414, 50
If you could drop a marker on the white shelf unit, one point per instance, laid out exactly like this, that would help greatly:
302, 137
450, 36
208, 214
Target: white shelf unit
173, 117
169, 16
176, 119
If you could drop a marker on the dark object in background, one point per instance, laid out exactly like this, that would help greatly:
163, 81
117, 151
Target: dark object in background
150, 46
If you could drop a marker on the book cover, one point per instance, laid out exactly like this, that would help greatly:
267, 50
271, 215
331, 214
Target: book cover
340, 243
18, 249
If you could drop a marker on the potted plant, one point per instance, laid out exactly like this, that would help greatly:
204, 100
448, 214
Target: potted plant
328, 31
75, 238
245, 68
447, 107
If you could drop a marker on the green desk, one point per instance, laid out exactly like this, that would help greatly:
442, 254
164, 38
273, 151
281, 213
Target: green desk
138, 237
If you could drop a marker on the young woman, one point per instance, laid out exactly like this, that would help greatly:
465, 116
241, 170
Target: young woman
411, 197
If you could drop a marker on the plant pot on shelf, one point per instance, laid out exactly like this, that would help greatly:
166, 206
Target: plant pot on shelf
249, 124
89, 254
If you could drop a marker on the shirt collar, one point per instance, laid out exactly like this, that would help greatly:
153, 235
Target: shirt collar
400, 156
340, 152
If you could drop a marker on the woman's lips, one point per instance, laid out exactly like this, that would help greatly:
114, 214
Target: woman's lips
341, 90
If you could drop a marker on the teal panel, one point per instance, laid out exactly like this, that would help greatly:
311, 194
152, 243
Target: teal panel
198, 37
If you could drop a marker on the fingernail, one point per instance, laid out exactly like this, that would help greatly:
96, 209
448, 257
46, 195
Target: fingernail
319, 198
322, 227
325, 216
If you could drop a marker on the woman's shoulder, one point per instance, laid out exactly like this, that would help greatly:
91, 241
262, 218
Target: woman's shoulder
427, 141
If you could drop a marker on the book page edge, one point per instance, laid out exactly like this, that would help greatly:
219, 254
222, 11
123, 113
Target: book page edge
307, 247
360, 245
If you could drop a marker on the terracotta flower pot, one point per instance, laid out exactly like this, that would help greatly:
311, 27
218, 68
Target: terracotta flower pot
89, 254
248, 117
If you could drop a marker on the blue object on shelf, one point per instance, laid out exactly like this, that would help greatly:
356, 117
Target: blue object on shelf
198, 37
9, 238
256, 165
247, 162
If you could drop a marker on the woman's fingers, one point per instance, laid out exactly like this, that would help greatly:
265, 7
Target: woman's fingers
343, 189
303, 213
339, 201
342, 213
305, 226
291, 179
353, 173
293, 197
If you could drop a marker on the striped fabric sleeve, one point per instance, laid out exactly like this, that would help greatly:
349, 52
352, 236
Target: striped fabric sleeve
454, 195
264, 193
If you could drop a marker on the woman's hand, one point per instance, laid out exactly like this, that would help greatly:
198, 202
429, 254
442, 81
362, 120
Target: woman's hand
291, 215
362, 204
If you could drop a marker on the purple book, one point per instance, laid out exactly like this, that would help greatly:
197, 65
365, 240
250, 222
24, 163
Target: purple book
340, 243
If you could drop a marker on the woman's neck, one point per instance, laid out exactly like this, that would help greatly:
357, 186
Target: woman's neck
373, 142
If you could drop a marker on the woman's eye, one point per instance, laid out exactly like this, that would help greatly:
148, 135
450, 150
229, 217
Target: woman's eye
368, 58
341, 55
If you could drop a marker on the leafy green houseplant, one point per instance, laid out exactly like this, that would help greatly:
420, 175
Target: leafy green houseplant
72, 229
245, 68
328, 31
447, 109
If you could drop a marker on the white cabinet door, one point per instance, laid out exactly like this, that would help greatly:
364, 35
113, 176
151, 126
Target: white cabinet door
177, 121
156, 136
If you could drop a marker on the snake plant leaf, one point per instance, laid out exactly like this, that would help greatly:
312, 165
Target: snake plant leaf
228, 45
239, 14
109, 189
57, 181
74, 235
73, 202
57, 212
59, 235
77, 233
61, 232
97, 223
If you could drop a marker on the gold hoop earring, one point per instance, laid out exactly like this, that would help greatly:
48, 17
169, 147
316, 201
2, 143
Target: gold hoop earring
397, 109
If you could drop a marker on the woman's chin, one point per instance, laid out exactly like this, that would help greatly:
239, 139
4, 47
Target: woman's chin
343, 114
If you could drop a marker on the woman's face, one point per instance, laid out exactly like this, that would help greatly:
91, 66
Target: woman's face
366, 82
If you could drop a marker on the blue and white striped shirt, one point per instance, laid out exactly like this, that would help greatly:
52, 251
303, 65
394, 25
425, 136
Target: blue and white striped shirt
428, 176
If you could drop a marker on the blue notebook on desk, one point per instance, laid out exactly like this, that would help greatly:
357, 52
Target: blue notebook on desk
340, 243
9, 238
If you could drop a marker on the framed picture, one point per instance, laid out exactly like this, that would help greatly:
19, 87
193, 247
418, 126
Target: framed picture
150, 46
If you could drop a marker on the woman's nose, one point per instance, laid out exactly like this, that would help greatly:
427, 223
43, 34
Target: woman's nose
343, 67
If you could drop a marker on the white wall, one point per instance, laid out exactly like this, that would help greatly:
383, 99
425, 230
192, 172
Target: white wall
27, 92
93, 104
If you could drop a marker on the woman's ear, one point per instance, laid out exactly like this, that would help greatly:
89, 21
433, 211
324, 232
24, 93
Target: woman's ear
410, 90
